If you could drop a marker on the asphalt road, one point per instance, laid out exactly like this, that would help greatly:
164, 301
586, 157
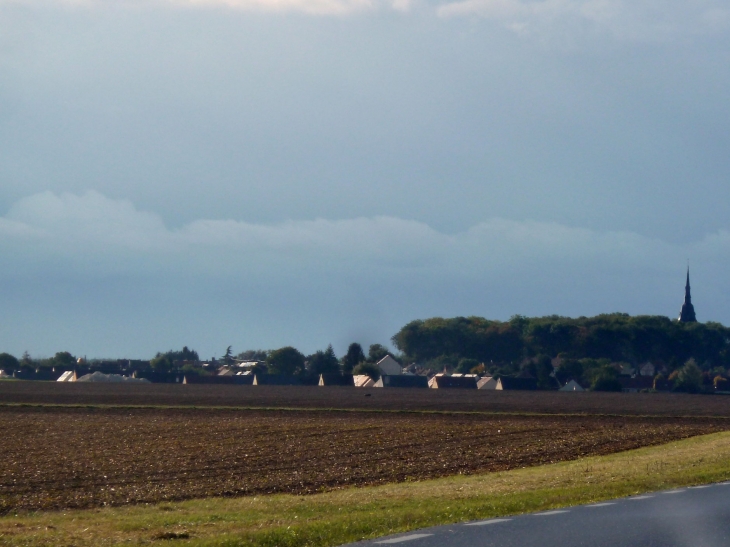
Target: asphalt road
688, 517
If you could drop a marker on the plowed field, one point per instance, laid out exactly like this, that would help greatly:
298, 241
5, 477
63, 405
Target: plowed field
544, 402
62, 458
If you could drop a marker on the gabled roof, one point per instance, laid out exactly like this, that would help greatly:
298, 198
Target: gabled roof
402, 381
363, 380
487, 382
453, 382
388, 365
572, 386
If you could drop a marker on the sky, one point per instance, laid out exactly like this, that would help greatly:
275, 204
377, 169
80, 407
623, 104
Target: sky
262, 173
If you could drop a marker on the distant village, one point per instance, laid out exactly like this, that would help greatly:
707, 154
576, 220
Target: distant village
610, 352
386, 371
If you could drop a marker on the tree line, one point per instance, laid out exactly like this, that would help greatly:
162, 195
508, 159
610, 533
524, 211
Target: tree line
552, 349
587, 349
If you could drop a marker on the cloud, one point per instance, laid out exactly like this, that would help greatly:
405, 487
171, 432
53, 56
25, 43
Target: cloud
624, 19
310, 7
633, 20
313, 7
100, 234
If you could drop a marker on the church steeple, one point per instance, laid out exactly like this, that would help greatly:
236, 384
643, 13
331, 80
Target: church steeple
687, 315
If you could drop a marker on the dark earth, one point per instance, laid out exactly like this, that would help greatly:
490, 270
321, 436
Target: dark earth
56, 457
666, 404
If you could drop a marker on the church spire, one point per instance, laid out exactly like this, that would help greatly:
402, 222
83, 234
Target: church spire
687, 315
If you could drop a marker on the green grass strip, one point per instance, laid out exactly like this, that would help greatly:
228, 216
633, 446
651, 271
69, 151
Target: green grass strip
348, 515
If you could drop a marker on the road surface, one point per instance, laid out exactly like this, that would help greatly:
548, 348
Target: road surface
688, 517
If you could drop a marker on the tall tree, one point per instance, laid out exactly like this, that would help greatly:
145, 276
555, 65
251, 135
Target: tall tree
287, 360
63, 359
689, 378
377, 352
324, 362
617, 337
352, 358
8, 362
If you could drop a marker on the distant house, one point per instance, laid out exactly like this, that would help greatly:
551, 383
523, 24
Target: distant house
363, 380
627, 369
572, 386
336, 380
516, 384
430, 381
249, 364
226, 371
401, 380
443, 381
486, 382
389, 366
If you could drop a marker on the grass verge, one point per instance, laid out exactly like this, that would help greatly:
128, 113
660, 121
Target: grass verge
344, 516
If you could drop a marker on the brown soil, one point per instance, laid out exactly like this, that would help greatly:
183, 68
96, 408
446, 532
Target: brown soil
666, 404
59, 458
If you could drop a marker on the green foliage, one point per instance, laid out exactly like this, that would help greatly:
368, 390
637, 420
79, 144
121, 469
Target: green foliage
442, 362
63, 359
602, 378
370, 369
613, 337
162, 362
165, 362
605, 382
26, 360
287, 361
541, 368
228, 357
569, 369
8, 362
324, 362
689, 378
352, 358
465, 365
377, 352
473, 337
190, 369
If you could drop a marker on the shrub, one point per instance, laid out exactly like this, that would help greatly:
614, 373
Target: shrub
370, 369
466, 365
689, 378
288, 361
605, 382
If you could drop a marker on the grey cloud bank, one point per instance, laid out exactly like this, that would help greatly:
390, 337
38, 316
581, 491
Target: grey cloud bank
96, 230
211, 283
